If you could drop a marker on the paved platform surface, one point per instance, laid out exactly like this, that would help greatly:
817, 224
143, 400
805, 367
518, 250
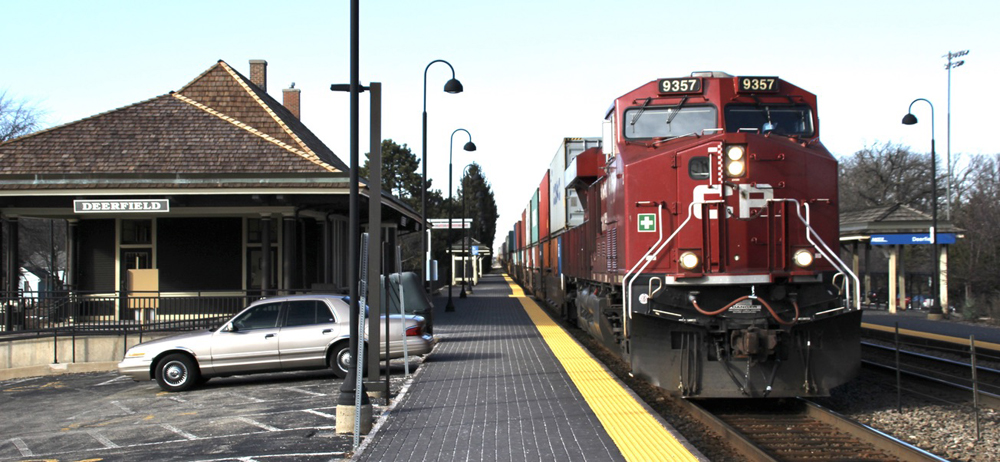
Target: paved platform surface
913, 320
494, 390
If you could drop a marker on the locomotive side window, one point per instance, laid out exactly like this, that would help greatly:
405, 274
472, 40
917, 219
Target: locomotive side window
668, 122
698, 168
782, 120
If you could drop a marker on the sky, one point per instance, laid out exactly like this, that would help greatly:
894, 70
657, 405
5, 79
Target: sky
534, 72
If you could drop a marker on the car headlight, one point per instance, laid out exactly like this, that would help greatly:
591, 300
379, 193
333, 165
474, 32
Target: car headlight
736, 160
689, 260
803, 258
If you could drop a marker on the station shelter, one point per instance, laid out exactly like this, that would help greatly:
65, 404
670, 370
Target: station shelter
888, 231
215, 188
473, 255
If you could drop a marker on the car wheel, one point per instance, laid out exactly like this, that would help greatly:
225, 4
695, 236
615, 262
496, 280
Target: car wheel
177, 372
340, 358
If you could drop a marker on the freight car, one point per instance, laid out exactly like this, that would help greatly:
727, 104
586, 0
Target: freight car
698, 239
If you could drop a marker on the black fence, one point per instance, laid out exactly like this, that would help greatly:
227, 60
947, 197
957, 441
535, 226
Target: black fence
34, 314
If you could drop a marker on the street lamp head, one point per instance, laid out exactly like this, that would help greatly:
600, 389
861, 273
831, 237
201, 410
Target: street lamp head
453, 86
470, 146
909, 119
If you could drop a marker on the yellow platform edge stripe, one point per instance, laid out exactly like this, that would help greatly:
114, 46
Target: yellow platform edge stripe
638, 435
931, 336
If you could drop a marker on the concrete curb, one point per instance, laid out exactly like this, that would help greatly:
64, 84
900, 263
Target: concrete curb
57, 369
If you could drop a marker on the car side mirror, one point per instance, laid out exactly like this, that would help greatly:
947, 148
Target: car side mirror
231, 328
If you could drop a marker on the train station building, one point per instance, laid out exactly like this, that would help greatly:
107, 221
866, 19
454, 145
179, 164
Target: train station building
216, 188
883, 235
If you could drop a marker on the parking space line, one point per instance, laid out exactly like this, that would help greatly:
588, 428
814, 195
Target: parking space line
321, 414
123, 408
23, 448
103, 440
312, 393
258, 424
246, 397
120, 378
178, 431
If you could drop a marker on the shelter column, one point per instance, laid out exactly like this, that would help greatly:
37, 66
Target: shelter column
868, 271
13, 269
327, 250
893, 261
943, 283
265, 254
288, 251
72, 244
902, 277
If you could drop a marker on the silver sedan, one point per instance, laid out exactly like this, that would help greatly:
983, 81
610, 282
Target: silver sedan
275, 334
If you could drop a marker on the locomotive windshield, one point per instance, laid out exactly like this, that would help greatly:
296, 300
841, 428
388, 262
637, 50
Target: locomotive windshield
782, 120
668, 122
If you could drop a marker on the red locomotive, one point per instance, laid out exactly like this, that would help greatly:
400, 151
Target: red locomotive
699, 239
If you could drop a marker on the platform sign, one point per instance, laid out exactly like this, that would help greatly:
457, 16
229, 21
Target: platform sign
475, 250
647, 222
911, 239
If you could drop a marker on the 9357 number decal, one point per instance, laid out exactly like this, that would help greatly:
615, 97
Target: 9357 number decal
687, 85
757, 84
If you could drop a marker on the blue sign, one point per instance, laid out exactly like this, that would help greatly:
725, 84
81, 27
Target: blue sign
904, 239
475, 250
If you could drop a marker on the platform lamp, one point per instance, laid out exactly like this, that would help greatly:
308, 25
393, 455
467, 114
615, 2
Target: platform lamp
469, 146
452, 86
910, 119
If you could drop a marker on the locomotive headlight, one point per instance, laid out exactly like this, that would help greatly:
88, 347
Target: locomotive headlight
735, 152
735, 160
735, 168
689, 260
803, 258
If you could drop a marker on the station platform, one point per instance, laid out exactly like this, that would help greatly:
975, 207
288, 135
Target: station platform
506, 383
914, 323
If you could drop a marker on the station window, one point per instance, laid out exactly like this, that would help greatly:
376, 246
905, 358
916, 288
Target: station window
137, 231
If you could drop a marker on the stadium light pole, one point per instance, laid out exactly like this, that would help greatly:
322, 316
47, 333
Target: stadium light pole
452, 86
910, 119
469, 146
951, 65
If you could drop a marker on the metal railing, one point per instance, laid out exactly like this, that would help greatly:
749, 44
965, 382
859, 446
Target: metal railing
35, 314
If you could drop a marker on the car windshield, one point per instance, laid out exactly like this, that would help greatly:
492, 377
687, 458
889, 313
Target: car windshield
668, 122
785, 120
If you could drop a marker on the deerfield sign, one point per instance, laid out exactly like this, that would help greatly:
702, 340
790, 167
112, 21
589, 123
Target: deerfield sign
121, 206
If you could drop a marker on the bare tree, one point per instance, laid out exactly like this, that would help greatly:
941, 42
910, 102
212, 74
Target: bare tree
18, 117
884, 174
975, 260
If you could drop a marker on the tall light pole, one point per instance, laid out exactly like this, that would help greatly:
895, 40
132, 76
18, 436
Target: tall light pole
452, 86
469, 146
910, 119
951, 65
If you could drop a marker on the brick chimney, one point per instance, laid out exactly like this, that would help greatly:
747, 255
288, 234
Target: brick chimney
291, 97
258, 73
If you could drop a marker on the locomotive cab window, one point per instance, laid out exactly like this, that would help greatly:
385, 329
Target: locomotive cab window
644, 122
698, 168
794, 120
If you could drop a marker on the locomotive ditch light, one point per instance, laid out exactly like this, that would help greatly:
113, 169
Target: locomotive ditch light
735, 161
689, 260
803, 258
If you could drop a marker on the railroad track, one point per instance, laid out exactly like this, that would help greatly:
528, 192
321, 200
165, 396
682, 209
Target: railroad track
797, 430
955, 374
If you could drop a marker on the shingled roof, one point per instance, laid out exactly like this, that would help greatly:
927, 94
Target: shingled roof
896, 218
218, 124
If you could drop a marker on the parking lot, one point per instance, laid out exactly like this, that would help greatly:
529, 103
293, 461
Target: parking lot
105, 416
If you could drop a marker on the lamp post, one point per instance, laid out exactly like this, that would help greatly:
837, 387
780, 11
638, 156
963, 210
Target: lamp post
951, 65
469, 146
452, 86
910, 119
465, 233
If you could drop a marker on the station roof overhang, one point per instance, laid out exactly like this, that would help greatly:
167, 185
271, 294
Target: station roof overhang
898, 219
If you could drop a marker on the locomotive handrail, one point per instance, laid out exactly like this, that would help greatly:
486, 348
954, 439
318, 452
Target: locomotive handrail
652, 252
824, 249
